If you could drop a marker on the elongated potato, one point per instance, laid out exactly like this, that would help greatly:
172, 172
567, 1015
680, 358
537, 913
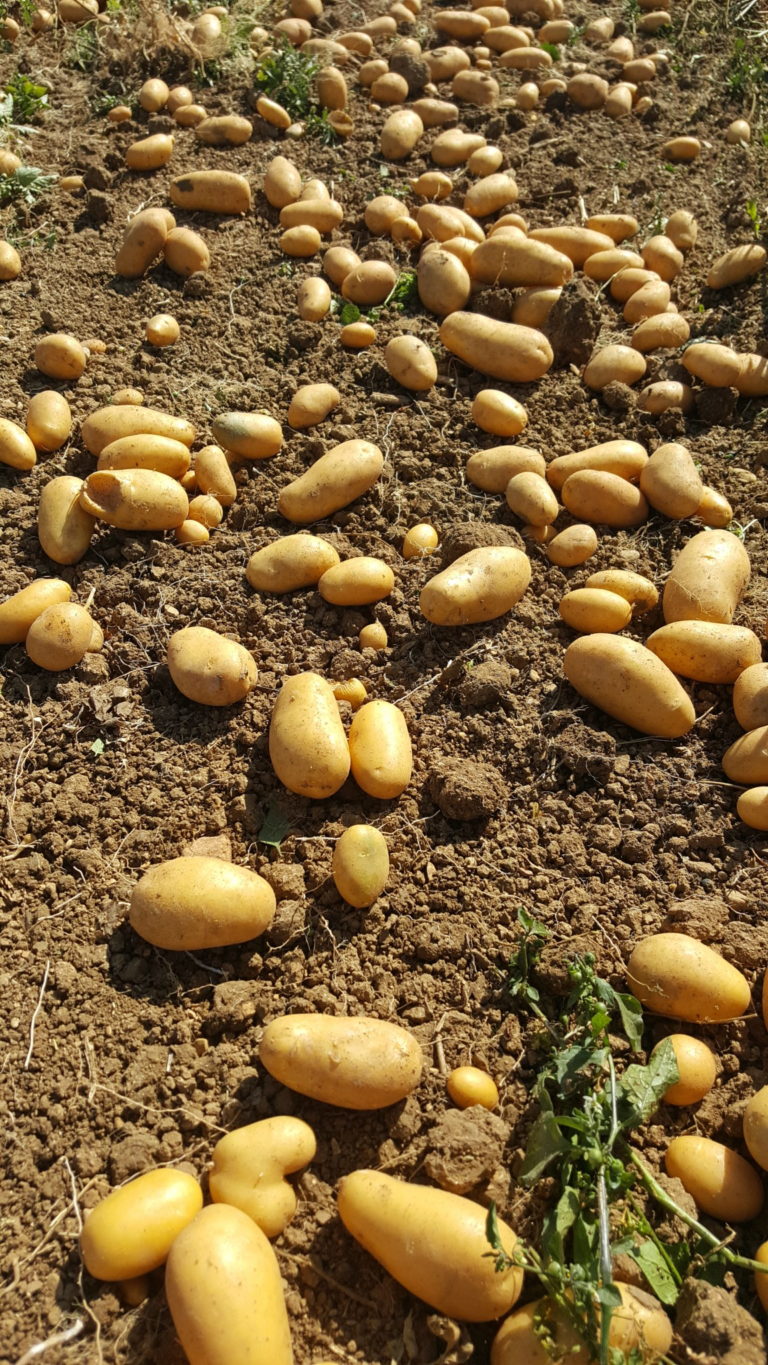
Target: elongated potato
380, 750
520, 261
64, 528
307, 745
593, 610
707, 579
716, 365
503, 350
121, 419
750, 697
223, 1286
360, 865
248, 435
208, 668
530, 497
19, 611
752, 381
250, 1165
142, 242
16, 449
189, 904
311, 404
356, 582
722, 1184
478, 586
289, 563
492, 469
746, 761
313, 299
681, 978
577, 243
131, 1231
706, 651
594, 496
411, 363
211, 192
623, 458
640, 592
443, 282
185, 252
671, 482
150, 153
135, 499
613, 364
337, 478
736, 265
354, 1063
432, 1242
630, 683
224, 130
213, 475
662, 331
146, 452
49, 420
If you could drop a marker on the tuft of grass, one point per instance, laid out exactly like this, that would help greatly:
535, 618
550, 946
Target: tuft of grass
83, 49
22, 101
286, 76
25, 186
753, 213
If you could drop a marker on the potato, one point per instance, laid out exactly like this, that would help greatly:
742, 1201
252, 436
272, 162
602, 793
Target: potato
587, 91
179, 97
153, 96
185, 252
603, 265
223, 1286
117, 420
721, 1182
205, 510
282, 182
573, 546
146, 452
485, 161
313, 299
193, 903
661, 254
432, 1242
301, 241
503, 350
662, 331
307, 744
628, 281
532, 307
530, 497
707, 579
189, 115
60, 636
639, 1329
250, 1165
411, 363
750, 697
339, 261
682, 229
443, 282
358, 335
16, 448
490, 194
380, 750
681, 149
131, 1231
356, 1063
752, 381
478, 586
311, 404
498, 413
208, 668
135, 499
289, 563
338, 477
525, 58
19, 611
454, 147
10, 262
633, 587
756, 1127
211, 192
143, 240
401, 131
468, 1085
714, 509
322, 214
594, 609
595, 496
696, 1067
60, 356
706, 651
192, 533
647, 301
49, 421
150, 153
492, 469
670, 481
752, 808
332, 91
623, 458
248, 435
352, 691
520, 261
224, 130
360, 865
577, 243
746, 761
716, 365
64, 529
613, 364
675, 975
369, 283
356, 582
741, 263
617, 226
665, 393
629, 683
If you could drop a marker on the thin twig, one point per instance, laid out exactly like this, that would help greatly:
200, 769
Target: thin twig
58, 1339
35, 1013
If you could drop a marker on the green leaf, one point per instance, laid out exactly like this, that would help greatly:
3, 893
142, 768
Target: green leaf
545, 1144
558, 1223
553, 51
626, 1006
349, 312
532, 926
651, 1261
493, 1236
275, 827
97, 747
641, 1087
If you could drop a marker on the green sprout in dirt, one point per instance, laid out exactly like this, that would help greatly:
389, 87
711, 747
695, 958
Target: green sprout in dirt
286, 76
753, 214
21, 101
402, 294
587, 1112
25, 185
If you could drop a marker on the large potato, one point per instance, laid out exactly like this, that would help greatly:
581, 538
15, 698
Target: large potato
707, 579
223, 1287
209, 668
722, 1184
503, 350
360, 865
623, 458
19, 611
478, 586
716, 365
401, 131
248, 435
519, 261
120, 419
224, 130
492, 469
380, 750
135, 499
131, 1231
577, 243
336, 479
443, 282
289, 563
146, 452
16, 449
706, 651
189, 904
613, 364
64, 529
356, 582
432, 1242
307, 744
250, 1166
607, 499
671, 482
628, 682
211, 192
49, 420
354, 1063
675, 975
746, 761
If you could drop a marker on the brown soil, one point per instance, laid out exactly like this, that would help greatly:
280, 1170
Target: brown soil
115, 1056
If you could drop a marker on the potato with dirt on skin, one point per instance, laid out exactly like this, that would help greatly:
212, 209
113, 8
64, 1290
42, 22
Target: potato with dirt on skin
209, 668
752, 808
360, 865
131, 1230
628, 682
432, 1242
65, 530
380, 750
19, 611
638, 1325
338, 477
478, 586
722, 1184
211, 192
60, 636
313, 299
706, 651
354, 1062
677, 976
311, 404
593, 495
248, 435
135, 499
193, 903
696, 1066
411, 363
223, 1286
591, 610
707, 579
250, 1165
49, 420
143, 241
308, 747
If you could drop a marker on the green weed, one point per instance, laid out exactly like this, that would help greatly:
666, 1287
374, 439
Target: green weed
286, 76
22, 101
83, 48
747, 74
401, 295
25, 185
753, 213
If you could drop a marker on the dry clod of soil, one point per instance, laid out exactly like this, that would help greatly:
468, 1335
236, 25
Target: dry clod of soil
716, 407
574, 324
461, 537
618, 397
465, 1148
487, 685
716, 1328
466, 790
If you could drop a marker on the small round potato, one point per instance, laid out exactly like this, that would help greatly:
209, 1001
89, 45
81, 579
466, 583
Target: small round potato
613, 364
131, 1231
162, 330
630, 683
681, 978
208, 668
360, 865
696, 1067
373, 636
250, 1165
357, 335
575, 545
60, 356
356, 582
420, 540
498, 413
468, 1085
353, 1062
307, 743
478, 586
60, 636
19, 611
380, 750
189, 904
722, 1184
593, 609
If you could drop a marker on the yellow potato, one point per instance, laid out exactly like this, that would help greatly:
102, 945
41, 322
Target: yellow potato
380, 750
282, 182
19, 611
185, 252
623, 458
468, 1085
313, 299
205, 510
746, 761
143, 240
628, 281
595, 496
360, 865
696, 1067
478, 586
675, 975
741, 263
756, 1127
192, 533
118, 420
498, 413
332, 88
311, 405
16, 448
706, 651
682, 229
146, 452
307, 745
153, 95
223, 1287
617, 226
587, 91
716, 365
503, 350
594, 609
517, 261
189, 904
351, 690
661, 254
665, 393
714, 509
613, 364
401, 131
60, 636
369, 283
250, 1165
681, 149
338, 261
750, 697
358, 335
356, 582
135, 499
492, 469
64, 529
49, 421
373, 636
443, 282
150, 153
575, 545
671, 482
411, 363
338, 477
211, 192
647, 301
189, 115
752, 808
303, 241
629, 683
603, 265
354, 1063
485, 161
532, 307
322, 214
721, 1182
530, 497
225, 130
179, 97
707, 579
289, 563
490, 194
752, 381
633, 587
577, 243
432, 1242
420, 540
60, 356
208, 668
639, 1325
131, 1231
248, 435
